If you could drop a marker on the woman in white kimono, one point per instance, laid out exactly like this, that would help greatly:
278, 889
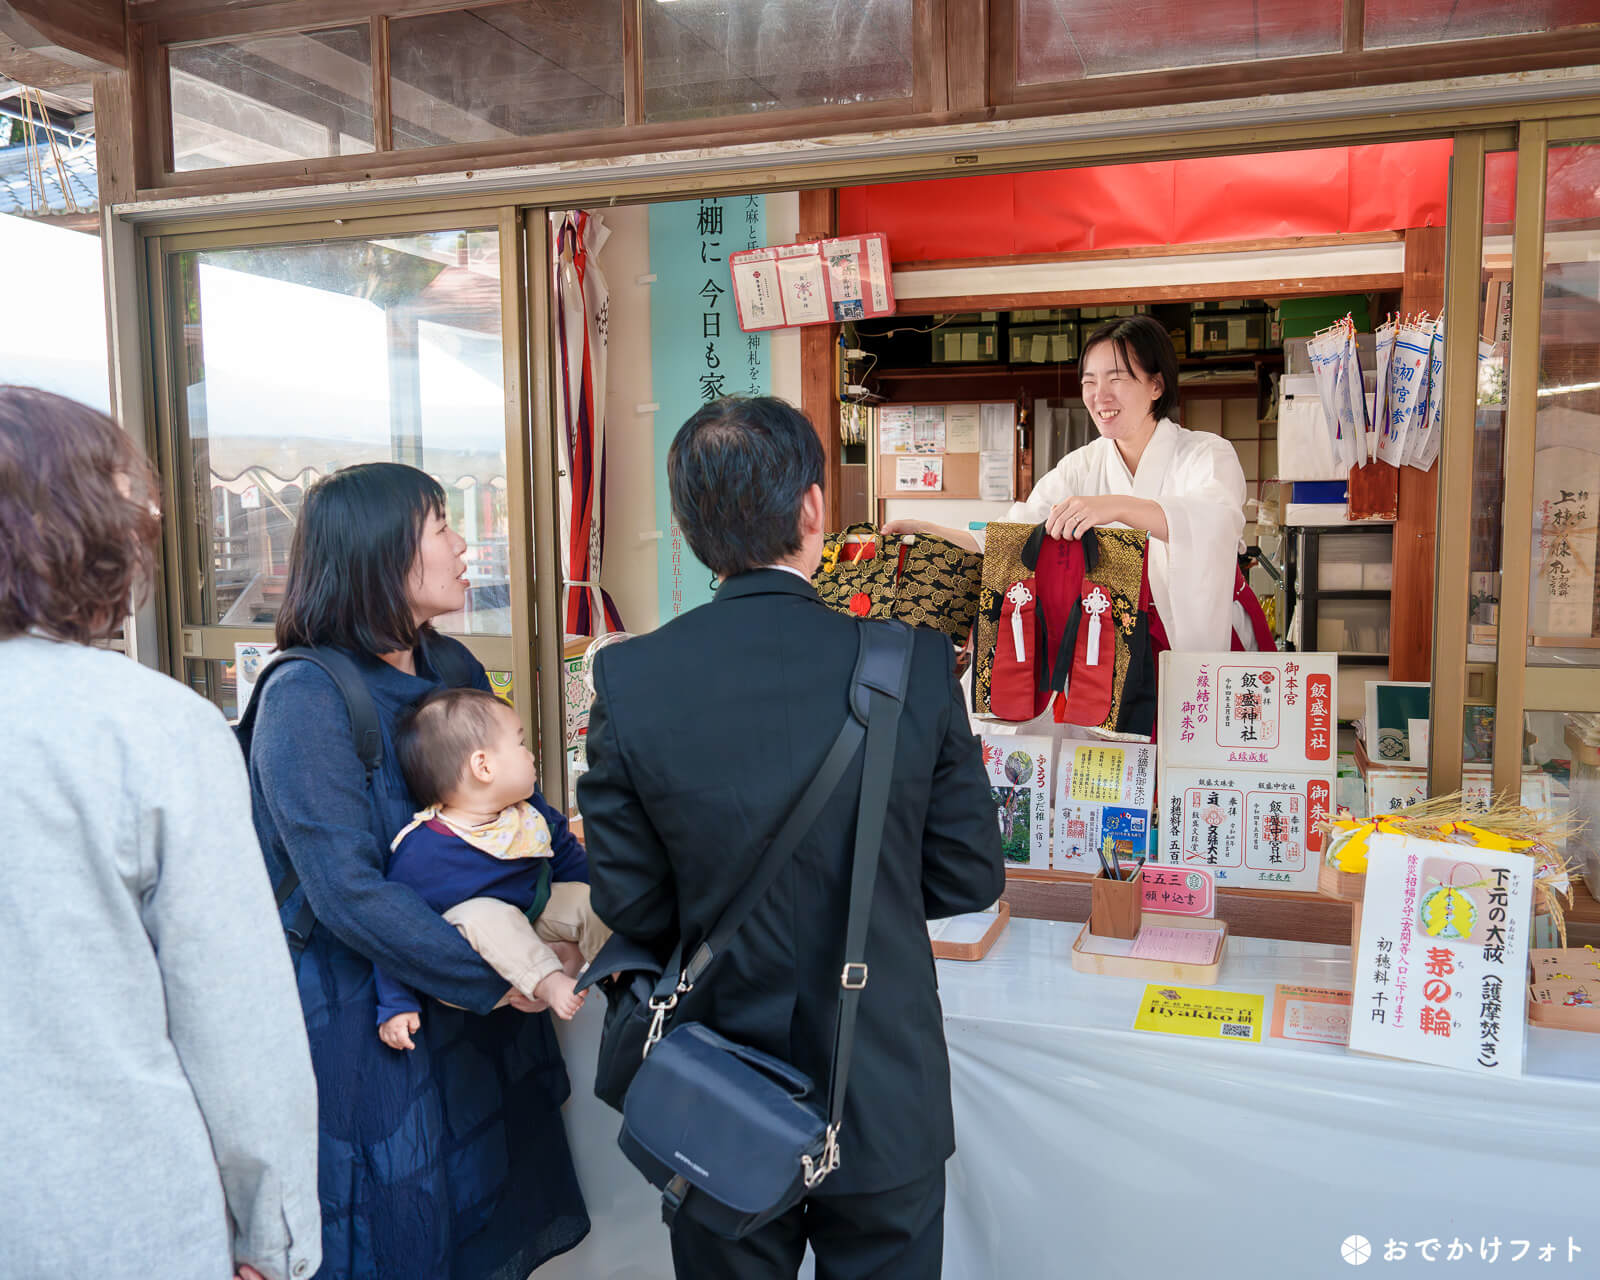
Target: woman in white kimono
1185, 488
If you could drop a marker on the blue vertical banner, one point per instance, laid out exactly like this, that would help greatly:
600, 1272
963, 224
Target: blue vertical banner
698, 353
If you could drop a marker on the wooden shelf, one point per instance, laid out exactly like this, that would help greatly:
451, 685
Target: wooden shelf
1352, 594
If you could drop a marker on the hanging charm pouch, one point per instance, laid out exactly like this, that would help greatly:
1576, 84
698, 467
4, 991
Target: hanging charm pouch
924, 581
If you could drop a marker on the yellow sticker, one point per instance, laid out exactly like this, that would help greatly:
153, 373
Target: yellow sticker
1097, 774
1202, 1012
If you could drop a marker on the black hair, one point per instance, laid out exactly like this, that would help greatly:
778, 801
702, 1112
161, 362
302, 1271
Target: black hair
355, 542
435, 738
738, 470
1142, 345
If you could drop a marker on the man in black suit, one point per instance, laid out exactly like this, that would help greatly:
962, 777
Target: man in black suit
702, 737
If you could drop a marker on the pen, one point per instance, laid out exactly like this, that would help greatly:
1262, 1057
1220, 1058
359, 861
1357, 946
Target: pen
1105, 863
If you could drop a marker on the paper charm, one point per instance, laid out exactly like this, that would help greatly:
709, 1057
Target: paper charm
1019, 595
1095, 604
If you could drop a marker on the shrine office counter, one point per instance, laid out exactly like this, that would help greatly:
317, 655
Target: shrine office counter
1087, 1149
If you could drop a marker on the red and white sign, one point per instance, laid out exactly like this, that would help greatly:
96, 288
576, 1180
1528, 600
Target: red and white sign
1179, 891
814, 282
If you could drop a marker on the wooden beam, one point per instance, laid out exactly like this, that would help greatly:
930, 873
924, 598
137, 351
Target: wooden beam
1415, 526
114, 132
967, 54
1220, 290
819, 220
82, 37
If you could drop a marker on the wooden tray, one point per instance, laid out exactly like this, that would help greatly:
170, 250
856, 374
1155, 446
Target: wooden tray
1200, 975
975, 950
1349, 885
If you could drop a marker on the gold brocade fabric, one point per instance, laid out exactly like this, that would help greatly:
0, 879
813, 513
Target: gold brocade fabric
1120, 571
1002, 565
928, 582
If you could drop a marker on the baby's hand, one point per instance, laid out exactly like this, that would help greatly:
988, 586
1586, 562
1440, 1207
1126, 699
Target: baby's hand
398, 1030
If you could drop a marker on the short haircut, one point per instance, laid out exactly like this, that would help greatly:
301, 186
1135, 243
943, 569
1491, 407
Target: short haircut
1142, 343
78, 518
355, 542
738, 470
436, 737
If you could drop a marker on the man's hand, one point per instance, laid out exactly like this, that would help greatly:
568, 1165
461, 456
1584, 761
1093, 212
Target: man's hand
398, 1030
247, 1272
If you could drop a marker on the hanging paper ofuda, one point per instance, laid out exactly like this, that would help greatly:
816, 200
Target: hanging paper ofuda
1408, 383
1388, 439
1355, 394
1327, 350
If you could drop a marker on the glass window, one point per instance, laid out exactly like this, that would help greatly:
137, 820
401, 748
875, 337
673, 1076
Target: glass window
299, 359
1397, 22
1076, 39
267, 99
506, 71
1564, 606
729, 57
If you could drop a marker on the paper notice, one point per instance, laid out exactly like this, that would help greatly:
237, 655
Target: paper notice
994, 477
961, 428
1181, 946
877, 275
1039, 348
805, 292
952, 347
894, 428
919, 475
969, 346
927, 428
998, 424
755, 286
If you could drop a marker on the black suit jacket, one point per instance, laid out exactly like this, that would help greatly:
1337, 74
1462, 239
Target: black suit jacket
702, 737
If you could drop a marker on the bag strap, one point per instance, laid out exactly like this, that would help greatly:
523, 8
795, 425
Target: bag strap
677, 978
885, 675
369, 747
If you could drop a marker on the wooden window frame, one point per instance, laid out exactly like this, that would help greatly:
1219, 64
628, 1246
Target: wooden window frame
1350, 67
152, 38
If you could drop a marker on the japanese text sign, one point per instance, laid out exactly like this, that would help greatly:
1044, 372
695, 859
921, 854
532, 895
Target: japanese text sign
1441, 973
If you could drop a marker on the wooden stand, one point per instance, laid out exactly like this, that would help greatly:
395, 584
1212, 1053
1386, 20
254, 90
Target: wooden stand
1116, 905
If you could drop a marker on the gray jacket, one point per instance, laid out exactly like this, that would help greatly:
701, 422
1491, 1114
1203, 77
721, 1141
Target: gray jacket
158, 1115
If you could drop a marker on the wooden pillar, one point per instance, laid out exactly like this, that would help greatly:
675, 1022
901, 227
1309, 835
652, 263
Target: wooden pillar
818, 221
1411, 599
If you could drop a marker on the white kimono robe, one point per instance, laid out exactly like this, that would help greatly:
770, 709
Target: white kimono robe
1197, 480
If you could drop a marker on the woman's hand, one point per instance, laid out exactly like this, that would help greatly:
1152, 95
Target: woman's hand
1075, 516
525, 1004
909, 525
247, 1272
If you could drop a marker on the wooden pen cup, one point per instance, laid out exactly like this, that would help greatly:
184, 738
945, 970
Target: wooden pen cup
1116, 906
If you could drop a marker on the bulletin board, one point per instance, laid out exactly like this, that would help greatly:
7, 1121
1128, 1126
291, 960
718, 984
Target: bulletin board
965, 450
813, 282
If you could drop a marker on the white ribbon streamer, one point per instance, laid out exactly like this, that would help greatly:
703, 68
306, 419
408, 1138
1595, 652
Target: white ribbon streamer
1094, 604
1018, 595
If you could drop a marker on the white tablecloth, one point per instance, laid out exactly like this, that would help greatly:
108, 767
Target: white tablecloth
1087, 1149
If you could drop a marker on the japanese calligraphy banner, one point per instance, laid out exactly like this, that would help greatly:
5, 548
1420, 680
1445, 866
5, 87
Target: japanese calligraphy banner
1271, 710
697, 352
1251, 828
1441, 973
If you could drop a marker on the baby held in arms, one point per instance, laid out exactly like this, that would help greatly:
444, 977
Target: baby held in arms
481, 853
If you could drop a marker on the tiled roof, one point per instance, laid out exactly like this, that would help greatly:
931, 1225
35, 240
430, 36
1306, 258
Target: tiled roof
21, 194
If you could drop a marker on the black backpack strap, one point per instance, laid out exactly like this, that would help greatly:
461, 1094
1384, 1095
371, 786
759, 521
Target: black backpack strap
364, 730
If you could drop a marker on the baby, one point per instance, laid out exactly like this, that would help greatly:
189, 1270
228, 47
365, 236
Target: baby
482, 854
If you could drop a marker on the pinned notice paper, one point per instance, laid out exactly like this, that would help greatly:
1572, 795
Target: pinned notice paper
994, 477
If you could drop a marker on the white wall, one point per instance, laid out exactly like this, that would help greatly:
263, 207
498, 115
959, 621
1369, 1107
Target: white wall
630, 571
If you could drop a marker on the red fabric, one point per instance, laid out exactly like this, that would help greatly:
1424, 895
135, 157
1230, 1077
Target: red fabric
1331, 191
1088, 699
1014, 684
1261, 633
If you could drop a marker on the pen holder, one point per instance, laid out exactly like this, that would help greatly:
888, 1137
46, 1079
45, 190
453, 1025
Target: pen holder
1116, 906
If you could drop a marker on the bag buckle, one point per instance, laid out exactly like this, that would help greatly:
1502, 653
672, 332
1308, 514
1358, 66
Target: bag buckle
854, 976
660, 1007
816, 1170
